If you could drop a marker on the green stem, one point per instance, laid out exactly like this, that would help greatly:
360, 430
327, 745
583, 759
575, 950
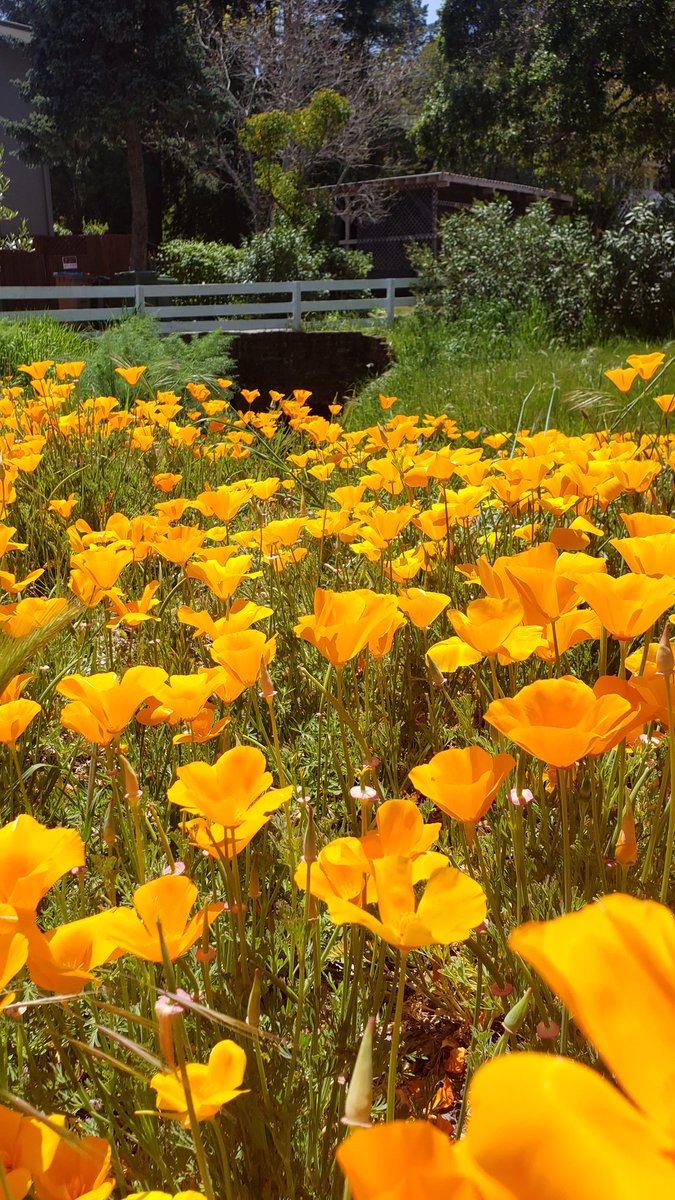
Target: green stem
395, 1038
671, 814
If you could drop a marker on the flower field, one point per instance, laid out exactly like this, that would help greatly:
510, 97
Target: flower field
338, 799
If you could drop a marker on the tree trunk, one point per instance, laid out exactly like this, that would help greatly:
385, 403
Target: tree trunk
138, 259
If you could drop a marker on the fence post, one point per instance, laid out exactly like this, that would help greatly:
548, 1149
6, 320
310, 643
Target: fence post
296, 306
139, 298
390, 302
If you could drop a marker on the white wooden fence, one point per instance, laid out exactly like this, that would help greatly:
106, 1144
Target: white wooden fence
201, 308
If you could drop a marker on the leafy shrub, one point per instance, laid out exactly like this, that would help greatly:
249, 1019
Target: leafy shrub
280, 253
191, 261
135, 340
171, 361
619, 282
641, 250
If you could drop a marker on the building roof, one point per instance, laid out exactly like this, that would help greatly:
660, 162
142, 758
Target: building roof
15, 30
441, 179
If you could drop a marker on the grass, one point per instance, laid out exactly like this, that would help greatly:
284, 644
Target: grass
485, 379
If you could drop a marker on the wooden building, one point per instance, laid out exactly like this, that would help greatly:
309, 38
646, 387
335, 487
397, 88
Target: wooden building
381, 216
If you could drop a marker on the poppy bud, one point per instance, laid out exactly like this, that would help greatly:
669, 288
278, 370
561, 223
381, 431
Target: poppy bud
436, 677
253, 1008
267, 688
359, 1100
514, 1018
470, 828
626, 849
132, 791
665, 662
167, 1012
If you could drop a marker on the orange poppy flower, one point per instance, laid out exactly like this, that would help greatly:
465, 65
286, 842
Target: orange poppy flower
222, 579
210, 1086
163, 903
166, 481
646, 365
235, 789
15, 717
37, 370
182, 697
666, 403
69, 370
452, 906
422, 607
560, 721
102, 705
76, 1172
64, 959
653, 554
133, 613
13, 952
452, 654
487, 624
32, 858
25, 1147
343, 623
344, 868
131, 375
463, 783
627, 606
241, 656
63, 508
622, 377
31, 614
99, 569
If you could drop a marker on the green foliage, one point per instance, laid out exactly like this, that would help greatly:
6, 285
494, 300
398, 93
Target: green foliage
278, 253
639, 292
191, 261
129, 75
171, 361
481, 368
278, 138
579, 91
96, 228
133, 341
36, 339
620, 282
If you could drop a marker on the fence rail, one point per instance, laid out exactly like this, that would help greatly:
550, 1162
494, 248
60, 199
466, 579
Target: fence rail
201, 308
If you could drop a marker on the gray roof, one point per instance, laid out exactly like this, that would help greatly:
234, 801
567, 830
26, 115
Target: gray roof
448, 179
15, 30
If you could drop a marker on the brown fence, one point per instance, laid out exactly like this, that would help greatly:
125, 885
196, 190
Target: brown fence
84, 258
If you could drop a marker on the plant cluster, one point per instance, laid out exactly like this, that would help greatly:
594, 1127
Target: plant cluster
279, 253
587, 285
338, 776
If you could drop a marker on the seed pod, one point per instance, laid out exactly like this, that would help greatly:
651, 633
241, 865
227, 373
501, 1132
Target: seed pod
516, 1015
253, 1008
665, 662
359, 1100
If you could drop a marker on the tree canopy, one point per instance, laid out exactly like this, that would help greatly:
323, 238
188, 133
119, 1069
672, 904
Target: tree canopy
129, 74
577, 91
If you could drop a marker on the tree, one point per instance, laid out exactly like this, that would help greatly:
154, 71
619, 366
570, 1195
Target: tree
578, 91
276, 61
363, 23
127, 74
282, 142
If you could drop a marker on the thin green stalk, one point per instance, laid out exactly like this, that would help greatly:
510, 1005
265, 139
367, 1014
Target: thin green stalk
670, 841
395, 1039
